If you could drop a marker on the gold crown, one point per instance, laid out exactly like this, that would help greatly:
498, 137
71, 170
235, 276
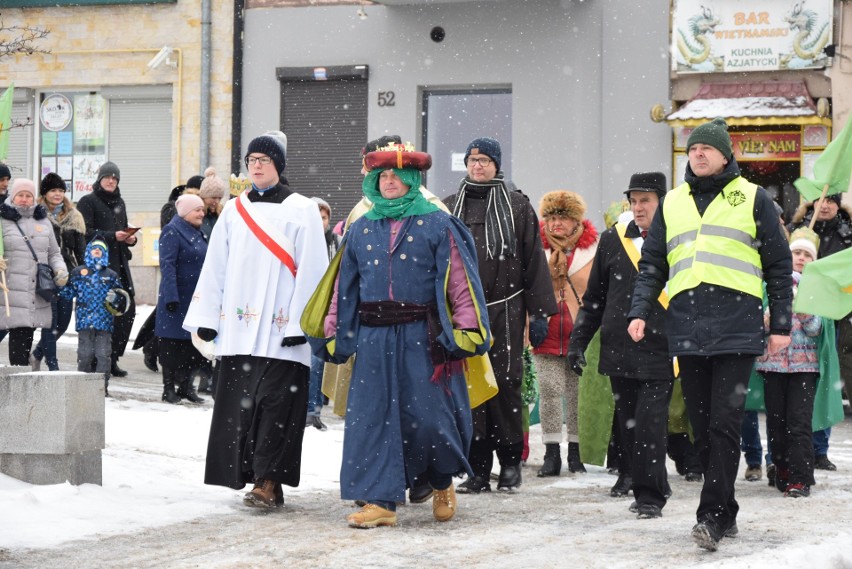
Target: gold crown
394, 147
239, 184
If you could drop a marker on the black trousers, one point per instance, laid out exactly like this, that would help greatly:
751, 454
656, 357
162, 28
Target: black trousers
20, 342
714, 389
789, 399
642, 414
121, 330
258, 422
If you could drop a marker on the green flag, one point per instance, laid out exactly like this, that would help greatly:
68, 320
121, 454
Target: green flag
833, 167
5, 120
826, 287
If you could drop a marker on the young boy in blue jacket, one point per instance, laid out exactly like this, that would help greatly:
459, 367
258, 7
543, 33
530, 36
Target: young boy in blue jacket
99, 297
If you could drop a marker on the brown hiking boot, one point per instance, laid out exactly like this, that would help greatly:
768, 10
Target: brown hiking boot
265, 494
371, 516
444, 504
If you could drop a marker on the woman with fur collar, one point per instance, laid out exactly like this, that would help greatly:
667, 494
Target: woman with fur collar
570, 242
70, 231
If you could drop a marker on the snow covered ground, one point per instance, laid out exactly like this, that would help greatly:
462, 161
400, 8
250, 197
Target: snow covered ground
154, 510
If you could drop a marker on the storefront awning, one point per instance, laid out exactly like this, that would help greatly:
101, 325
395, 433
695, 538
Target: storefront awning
750, 104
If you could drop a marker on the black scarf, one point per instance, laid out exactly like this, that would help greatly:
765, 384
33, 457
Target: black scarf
499, 222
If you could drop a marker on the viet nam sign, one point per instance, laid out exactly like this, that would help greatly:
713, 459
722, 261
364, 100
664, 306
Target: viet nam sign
760, 35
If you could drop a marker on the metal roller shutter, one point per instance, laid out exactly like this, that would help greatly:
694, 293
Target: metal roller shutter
19, 155
326, 127
140, 143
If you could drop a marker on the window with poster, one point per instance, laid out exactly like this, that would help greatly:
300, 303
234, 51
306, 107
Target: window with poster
72, 138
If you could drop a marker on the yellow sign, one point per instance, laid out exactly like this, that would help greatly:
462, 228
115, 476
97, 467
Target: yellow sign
151, 246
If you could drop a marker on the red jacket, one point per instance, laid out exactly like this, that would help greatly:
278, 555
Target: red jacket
561, 324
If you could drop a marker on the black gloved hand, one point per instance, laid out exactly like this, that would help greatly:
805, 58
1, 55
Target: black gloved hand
289, 341
577, 362
172, 306
538, 331
207, 334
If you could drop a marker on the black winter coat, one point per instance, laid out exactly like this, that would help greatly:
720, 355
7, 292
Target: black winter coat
835, 235
712, 320
105, 214
605, 305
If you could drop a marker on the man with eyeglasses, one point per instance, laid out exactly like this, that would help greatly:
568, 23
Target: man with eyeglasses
265, 258
105, 214
517, 284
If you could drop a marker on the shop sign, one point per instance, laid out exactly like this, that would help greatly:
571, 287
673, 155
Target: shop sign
760, 35
56, 112
767, 145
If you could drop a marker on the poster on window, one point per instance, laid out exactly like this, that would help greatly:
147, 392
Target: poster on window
85, 174
716, 36
55, 112
89, 121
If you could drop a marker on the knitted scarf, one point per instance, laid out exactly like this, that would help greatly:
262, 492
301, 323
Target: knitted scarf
560, 247
499, 222
412, 203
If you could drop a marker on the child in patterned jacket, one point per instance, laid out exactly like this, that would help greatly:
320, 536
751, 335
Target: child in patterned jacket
99, 297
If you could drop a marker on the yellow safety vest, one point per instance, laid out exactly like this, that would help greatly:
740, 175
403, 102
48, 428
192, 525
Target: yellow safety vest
719, 248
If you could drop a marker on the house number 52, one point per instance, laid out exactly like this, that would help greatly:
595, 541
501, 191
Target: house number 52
387, 99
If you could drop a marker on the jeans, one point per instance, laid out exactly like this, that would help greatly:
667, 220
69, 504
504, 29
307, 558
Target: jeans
46, 347
820, 440
315, 387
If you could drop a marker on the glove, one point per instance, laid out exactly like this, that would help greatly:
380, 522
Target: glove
577, 362
2, 264
538, 331
172, 306
290, 341
207, 334
60, 278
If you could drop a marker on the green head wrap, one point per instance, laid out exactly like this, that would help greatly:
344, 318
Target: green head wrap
412, 203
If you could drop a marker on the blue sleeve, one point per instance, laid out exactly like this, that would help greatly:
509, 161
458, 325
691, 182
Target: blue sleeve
169, 247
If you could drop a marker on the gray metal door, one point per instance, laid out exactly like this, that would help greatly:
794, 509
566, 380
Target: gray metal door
453, 118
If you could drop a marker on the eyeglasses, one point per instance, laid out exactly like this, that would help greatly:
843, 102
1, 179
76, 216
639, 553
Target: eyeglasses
264, 160
484, 161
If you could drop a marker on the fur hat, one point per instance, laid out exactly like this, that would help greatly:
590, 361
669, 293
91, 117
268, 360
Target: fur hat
563, 202
109, 169
715, 134
805, 238
21, 185
51, 181
186, 203
5, 172
213, 186
272, 146
487, 146
647, 182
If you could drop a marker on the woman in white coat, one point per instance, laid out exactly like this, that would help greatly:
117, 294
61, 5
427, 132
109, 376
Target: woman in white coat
24, 222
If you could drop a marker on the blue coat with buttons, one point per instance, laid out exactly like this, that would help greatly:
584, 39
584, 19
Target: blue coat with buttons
182, 252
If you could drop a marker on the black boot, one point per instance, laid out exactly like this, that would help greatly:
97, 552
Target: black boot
510, 478
574, 463
187, 391
552, 461
622, 486
169, 395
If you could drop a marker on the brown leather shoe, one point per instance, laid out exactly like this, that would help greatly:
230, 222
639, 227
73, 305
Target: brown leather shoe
371, 516
444, 504
265, 494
